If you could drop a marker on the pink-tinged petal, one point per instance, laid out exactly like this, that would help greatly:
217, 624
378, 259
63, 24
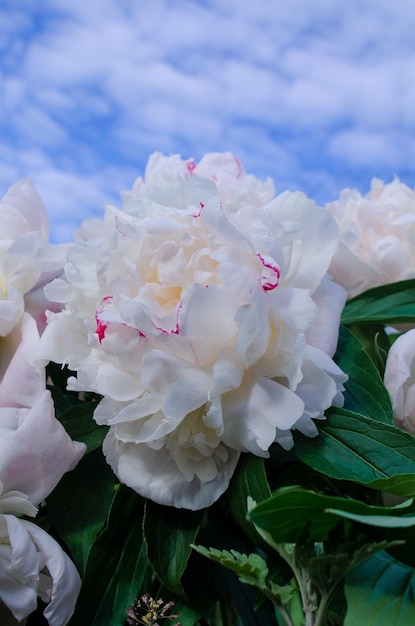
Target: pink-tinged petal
30, 461
17, 353
65, 582
36, 304
155, 475
10, 312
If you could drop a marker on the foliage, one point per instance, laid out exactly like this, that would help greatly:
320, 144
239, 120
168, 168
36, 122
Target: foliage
300, 538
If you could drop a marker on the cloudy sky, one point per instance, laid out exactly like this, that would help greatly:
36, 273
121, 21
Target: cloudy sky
317, 94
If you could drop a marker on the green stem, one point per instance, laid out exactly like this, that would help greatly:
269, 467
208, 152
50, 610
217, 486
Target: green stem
320, 615
307, 595
286, 616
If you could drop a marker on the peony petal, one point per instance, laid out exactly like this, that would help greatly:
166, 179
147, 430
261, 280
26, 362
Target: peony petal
65, 580
31, 462
254, 412
324, 332
19, 567
154, 475
399, 379
18, 351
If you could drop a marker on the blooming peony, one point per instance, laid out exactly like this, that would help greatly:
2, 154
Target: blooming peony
204, 316
33, 564
27, 260
400, 380
377, 236
35, 451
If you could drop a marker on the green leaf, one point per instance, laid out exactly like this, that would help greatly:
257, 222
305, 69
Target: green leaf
365, 391
117, 569
79, 424
169, 533
79, 505
250, 568
327, 570
293, 514
382, 521
380, 592
389, 304
249, 480
356, 448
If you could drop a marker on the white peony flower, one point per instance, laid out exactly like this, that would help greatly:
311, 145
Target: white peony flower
33, 564
35, 452
204, 316
377, 236
27, 260
399, 380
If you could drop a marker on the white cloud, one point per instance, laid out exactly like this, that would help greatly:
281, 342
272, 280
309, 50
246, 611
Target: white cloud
318, 95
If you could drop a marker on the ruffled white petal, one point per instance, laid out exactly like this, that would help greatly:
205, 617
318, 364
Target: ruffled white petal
376, 236
27, 261
156, 473
33, 564
204, 315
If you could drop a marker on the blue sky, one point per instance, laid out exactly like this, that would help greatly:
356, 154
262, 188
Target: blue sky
317, 94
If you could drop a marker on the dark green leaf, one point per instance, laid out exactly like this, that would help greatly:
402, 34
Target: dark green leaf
293, 514
169, 533
249, 480
79, 505
117, 569
389, 304
356, 448
79, 424
380, 592
365, 391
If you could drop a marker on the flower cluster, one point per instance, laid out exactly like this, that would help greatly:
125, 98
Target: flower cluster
377, 247
204, 314
35, 450
377, 236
